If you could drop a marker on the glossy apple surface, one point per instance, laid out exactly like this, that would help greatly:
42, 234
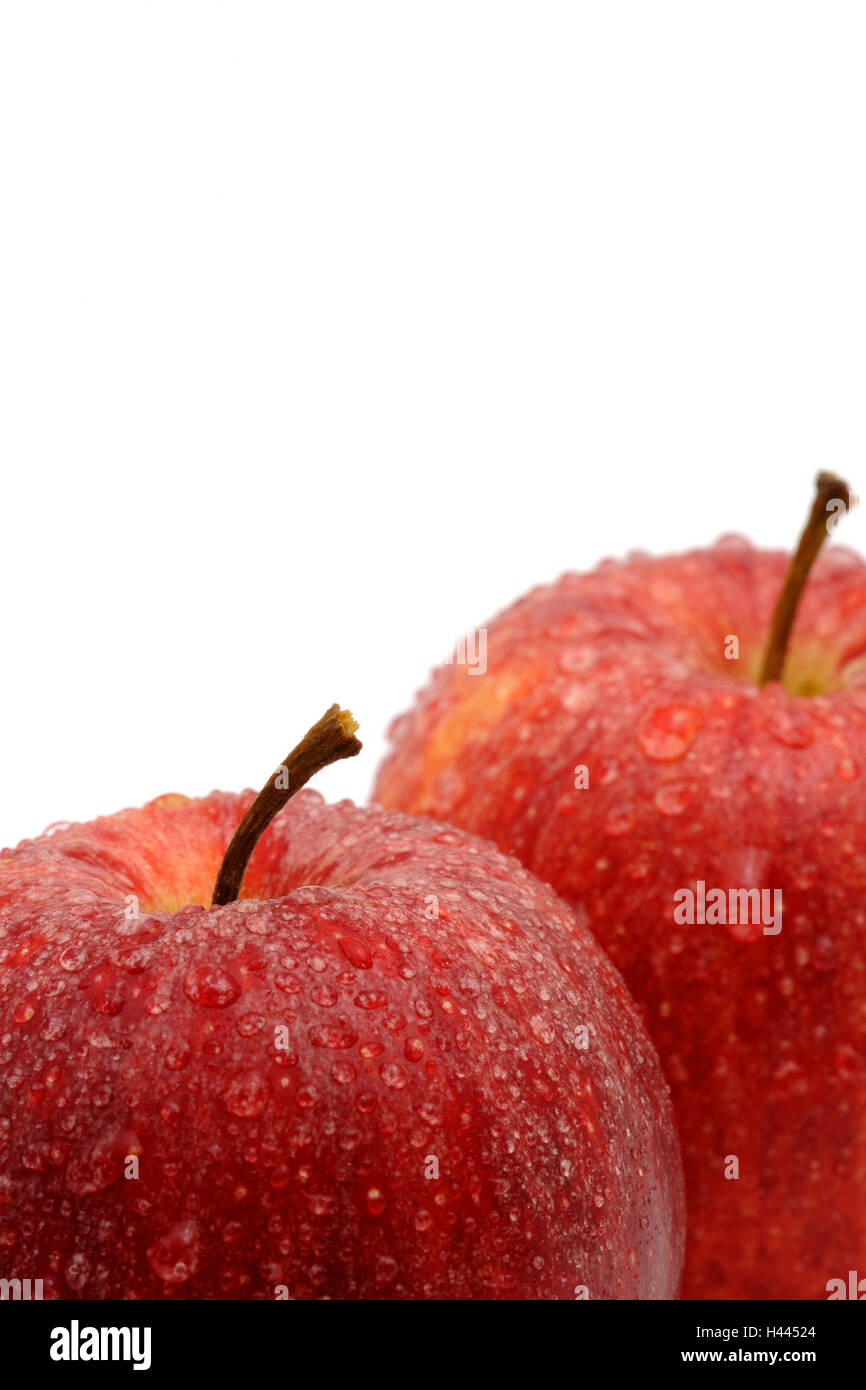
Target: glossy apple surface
364, 1079
694, 774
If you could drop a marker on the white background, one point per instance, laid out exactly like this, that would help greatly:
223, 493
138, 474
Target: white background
326, 329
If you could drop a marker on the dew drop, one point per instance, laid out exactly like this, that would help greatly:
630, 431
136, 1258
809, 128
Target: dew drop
355, 951
246, 1095
393, 1075
178, 1054
159, 1004
673, 799
73, 958
375, 1201
332, 1035
386, 1269
371, 999
77, 1271
324, 996
619, 821
578, 698
667, 733
431, 1114
249, 1024
789, 726
210, 986
174, 1257
542, 1028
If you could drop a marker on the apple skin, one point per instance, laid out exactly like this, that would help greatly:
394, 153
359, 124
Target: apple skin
695, 774
147, 1029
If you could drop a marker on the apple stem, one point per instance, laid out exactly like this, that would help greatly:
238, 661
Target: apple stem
828, 489
332, 738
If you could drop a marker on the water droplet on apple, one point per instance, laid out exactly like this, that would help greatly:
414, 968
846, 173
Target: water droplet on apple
667, 733
178, 1054
210, 986
73, 958
578, 698
332, 1035
431, 1113
280, 1177
247, 1095
370, 999
77, 1271
386, 1269
249, 1024
393, 1075
355, 951
788, 724
324, 996
375, 1201
542, 1028
174, 1257
577, 658
673, 799
619, 820
101, 1164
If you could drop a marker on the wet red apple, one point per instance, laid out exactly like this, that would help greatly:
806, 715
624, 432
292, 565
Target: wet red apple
632, 744
396, 1067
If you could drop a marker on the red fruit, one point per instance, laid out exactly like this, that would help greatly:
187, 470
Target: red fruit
361, 1080
695, 774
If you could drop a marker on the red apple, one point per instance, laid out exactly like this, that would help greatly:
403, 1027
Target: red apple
696, 774
366, 1078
